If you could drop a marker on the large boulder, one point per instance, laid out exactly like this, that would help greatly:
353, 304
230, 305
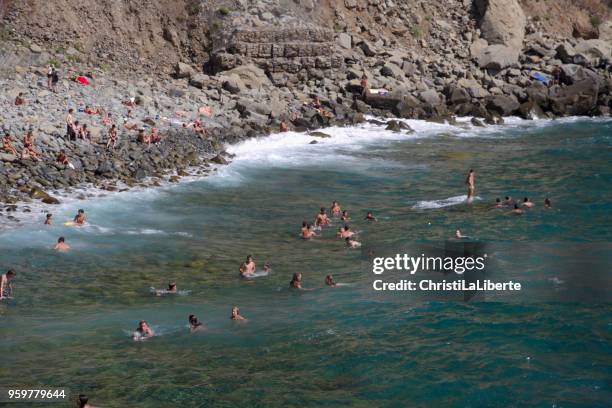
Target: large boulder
572, 73
498, 56
579, 98
503, 105
502, 22
182, 70
251, 76
592, 52
473, 87
430, 97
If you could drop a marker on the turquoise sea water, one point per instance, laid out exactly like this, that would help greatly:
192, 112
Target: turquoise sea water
70, 321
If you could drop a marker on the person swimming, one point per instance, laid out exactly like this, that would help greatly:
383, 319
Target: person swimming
508, 201
194, 324
345, 217
236, 314
6, 289
322, 218
470, 182
266, 267
61, 245
80, 218
370, 217
171, 289
143, 331
49, 219
527, 203
516, 210
351, 243
247, 268
308, 232
335, 209
459, 235
83, 402
296, 281
346, 232
498, 203
329, 281
547, 203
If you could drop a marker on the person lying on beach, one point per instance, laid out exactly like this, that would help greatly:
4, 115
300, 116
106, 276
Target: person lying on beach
247, 268
6, 290
83, 402
130, 103
322, 218
143, 137
346, 232
516, 210
236, 314
351, 243
370, 217
112, 137
527, 203
296, 281
7, 146
91, 111
80, 218
345, 216
129, 126
19, 99
329, 281
61, 245
194, 324
143, 331
547, 203
335, 209
107, 120
49, 219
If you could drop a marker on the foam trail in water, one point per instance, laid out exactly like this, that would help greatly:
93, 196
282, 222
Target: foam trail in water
446, 202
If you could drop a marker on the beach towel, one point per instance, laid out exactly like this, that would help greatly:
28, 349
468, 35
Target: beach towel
540, 77
82, 80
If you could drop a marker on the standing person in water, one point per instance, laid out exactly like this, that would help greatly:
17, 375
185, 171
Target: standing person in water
470, 182
308, 232
335, 209
547, 203
143, 331
345, 217
346, 232
61, 245
194, 324
6, 290
296, 281
247, 268
322, 218
329, 281
80, 217
236, 314
49, 219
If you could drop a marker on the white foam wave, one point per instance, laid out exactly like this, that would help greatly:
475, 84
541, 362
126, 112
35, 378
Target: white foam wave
445, 202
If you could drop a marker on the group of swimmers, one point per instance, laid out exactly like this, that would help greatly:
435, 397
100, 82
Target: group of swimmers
517, 209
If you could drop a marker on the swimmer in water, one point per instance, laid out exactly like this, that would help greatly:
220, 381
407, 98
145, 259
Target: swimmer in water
49, 219
527, 203
83, 402
370, 217
296, 281
266, 267
247, 268
346, 232
304, 228
516, 210
6, 290
498, 203
345, 216
351, 243
459, 235
61, 245
322, 218
547, 203
335, 209
470, 182
171, 287
508, 201
329, 281
80, 218
308, 232
143, 331
194, 324
236, 314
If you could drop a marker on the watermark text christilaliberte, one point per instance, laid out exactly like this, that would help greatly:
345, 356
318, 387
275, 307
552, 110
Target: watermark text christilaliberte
460, 266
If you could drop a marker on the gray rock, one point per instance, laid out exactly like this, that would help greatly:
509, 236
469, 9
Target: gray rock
367, 48
477, 122
182, 70
344, 40
503, 105
503, 22
392, 70
497, 57
198, 80
430, 97
591, 52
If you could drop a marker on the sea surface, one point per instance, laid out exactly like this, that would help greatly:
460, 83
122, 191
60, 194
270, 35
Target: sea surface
549, 345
